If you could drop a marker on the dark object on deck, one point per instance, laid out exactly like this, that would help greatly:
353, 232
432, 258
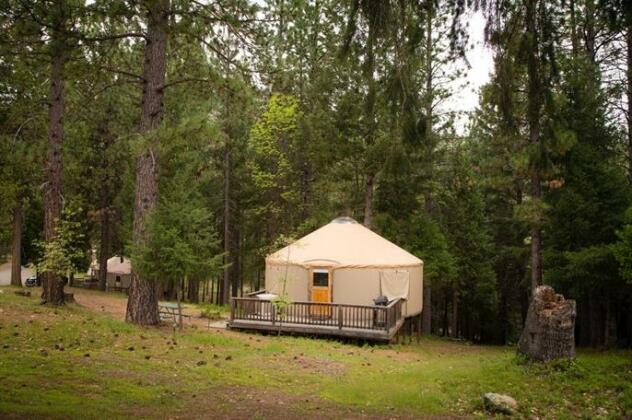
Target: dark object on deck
381, 301
33, 281
549, 331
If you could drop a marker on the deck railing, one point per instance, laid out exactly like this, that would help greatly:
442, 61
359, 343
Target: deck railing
337, 315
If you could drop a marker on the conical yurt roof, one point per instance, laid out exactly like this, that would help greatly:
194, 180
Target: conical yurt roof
344, 243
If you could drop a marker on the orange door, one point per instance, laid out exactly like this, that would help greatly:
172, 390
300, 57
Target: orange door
321, 292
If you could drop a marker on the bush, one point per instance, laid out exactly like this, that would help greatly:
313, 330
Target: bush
212, 312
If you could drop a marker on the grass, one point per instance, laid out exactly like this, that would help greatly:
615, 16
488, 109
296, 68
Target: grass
212, 311
111, 369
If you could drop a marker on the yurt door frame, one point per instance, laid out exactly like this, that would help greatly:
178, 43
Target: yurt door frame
320, 282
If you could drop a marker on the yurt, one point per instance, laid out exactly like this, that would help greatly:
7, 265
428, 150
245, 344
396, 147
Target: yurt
344, 262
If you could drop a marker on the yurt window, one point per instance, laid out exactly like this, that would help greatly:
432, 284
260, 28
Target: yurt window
321, 278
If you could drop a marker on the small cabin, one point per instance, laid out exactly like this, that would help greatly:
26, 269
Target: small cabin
342, 279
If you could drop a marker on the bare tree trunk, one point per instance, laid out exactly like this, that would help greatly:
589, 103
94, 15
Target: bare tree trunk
369, 68
104, 247
368, 200
428, 108
225, 298
628, 39
573, 23
590, 35
16, 245
454, 332
142, 305
193, 293
536, 240
52, 285
534, 101
427, 311
240, 257
445, 317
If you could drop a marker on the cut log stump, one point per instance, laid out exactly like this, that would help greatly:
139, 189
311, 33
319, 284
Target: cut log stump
549, 331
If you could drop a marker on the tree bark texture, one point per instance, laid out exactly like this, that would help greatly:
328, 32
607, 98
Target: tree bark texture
628, 39
104, 247
426, 326
549, 331
225, 298
193, 291
573, 23
368, 203
16, 245
52, 285
534, 104
142, 304
369, 68
429, 203
454, 330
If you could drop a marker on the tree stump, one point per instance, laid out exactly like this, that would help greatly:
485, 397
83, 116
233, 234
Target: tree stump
549, 331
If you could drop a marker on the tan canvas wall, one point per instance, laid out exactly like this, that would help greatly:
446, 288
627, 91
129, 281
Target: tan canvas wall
353, 286
412, 306
356, 286
360, 286
415, 297
297, 283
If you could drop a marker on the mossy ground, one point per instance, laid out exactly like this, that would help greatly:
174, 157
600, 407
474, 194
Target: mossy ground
73, 362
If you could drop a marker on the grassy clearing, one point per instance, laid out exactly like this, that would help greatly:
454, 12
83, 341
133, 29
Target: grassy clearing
72, 362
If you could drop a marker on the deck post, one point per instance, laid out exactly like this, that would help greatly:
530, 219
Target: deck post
339, 317
273, 313
233, 303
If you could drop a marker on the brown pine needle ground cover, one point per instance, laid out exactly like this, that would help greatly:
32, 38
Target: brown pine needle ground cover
86, 363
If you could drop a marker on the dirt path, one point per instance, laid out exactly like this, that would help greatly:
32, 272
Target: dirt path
115, 304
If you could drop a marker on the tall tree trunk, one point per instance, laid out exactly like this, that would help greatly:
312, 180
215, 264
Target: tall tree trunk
426, 323
445, 316
628, 39
454, 332
369, 69
193, 292
503, 311
142, 304
536, 239
16, 245
368, 200
590, 35
428, 109
573, 23
227, 239
534, 103
104, 246
52, 284
240, 256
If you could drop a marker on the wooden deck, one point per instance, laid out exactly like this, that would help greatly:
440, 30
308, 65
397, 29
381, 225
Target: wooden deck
378, 323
